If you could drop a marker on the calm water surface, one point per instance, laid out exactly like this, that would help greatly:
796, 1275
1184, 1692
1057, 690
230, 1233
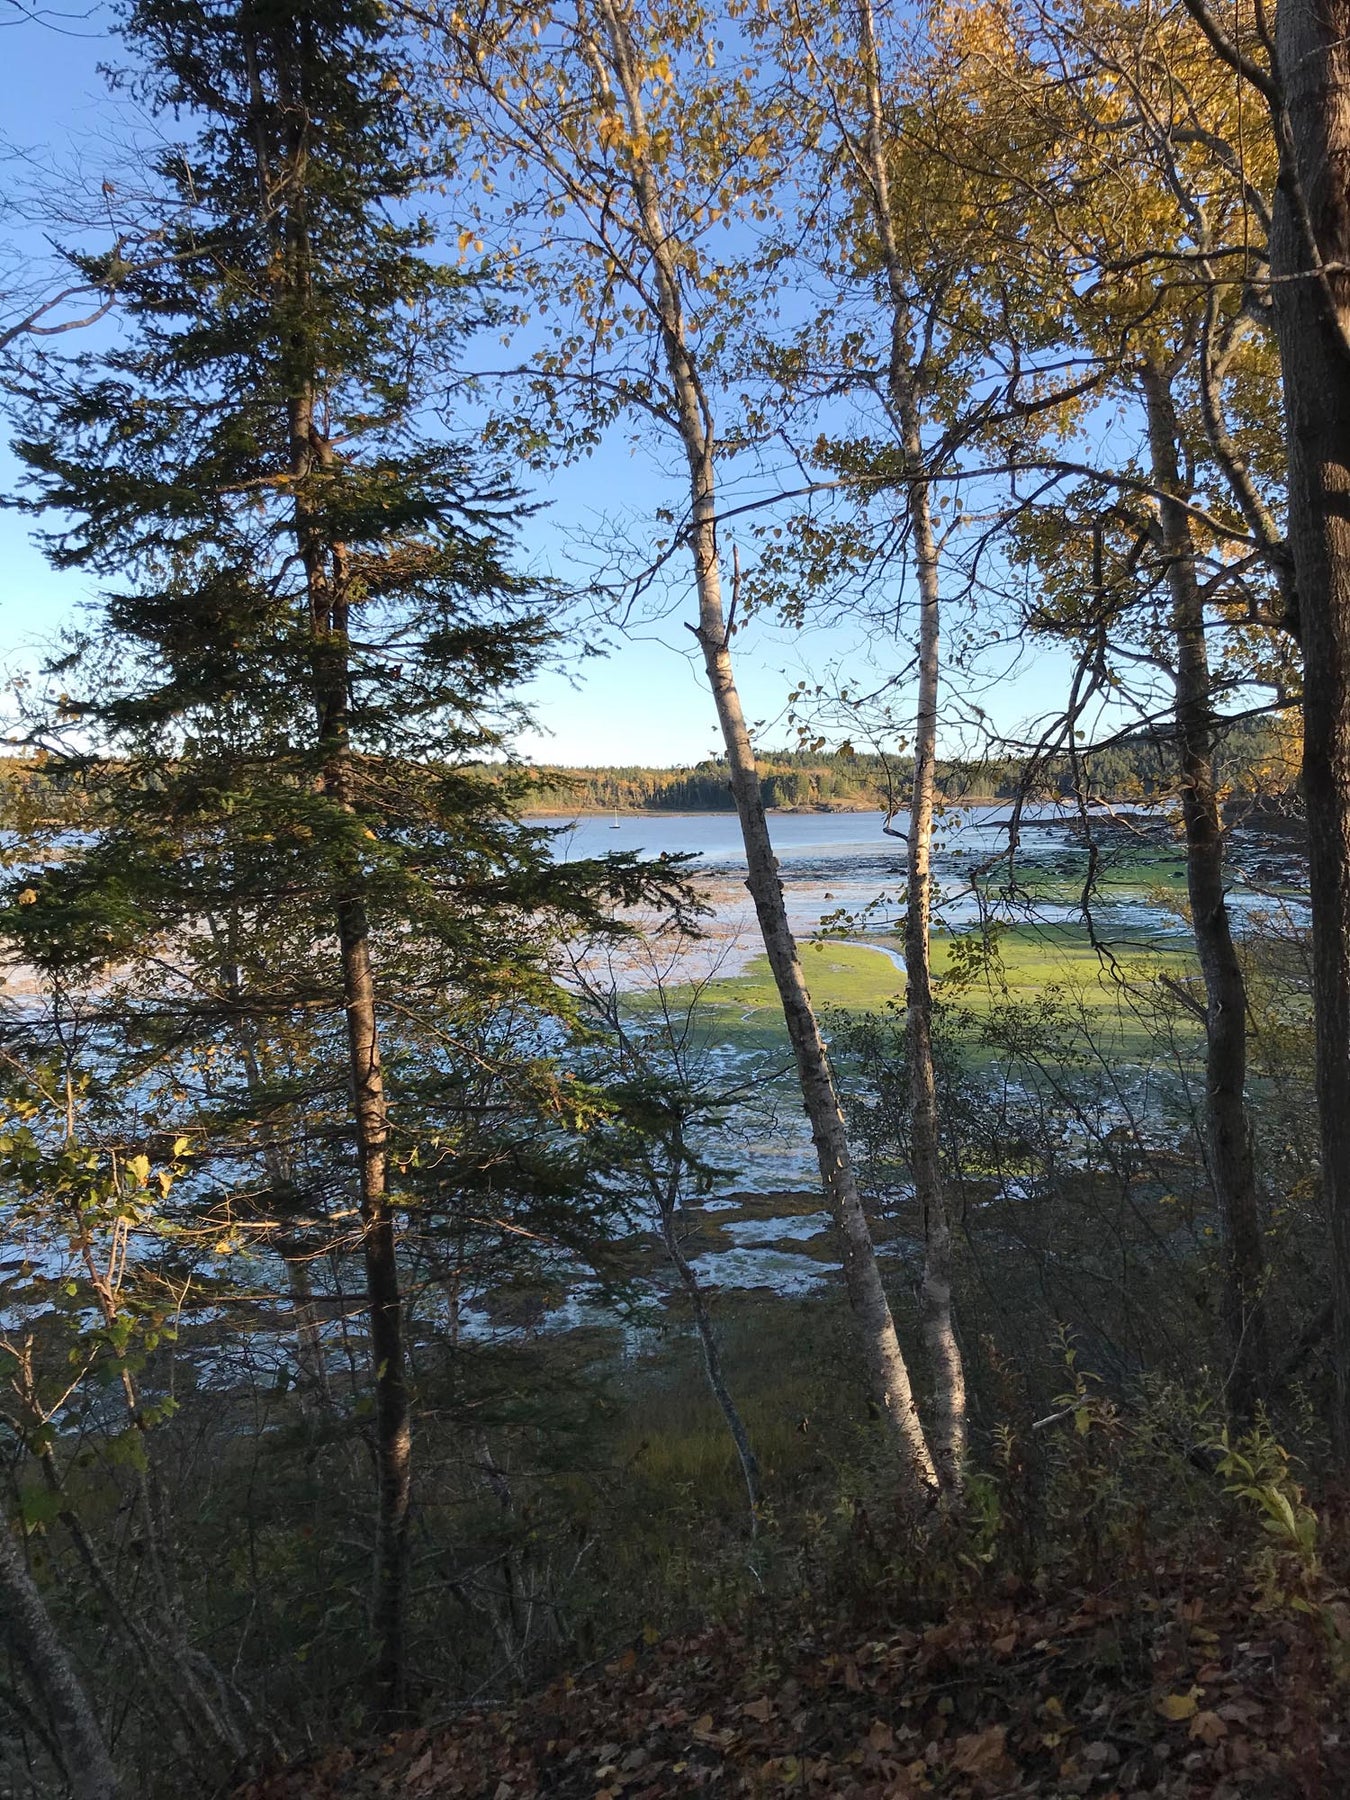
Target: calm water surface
833, 863
829, 861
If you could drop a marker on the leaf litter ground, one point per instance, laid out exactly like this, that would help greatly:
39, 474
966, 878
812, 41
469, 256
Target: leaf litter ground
1185, 1686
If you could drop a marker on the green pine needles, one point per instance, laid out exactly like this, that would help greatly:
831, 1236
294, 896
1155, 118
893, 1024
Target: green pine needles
303, 859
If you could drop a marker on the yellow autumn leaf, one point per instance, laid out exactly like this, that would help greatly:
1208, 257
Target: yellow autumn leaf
1178, 1706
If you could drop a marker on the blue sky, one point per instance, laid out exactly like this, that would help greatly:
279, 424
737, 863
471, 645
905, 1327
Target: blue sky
644, 701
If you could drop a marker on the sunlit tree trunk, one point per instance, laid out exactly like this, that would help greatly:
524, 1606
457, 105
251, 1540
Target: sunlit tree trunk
944, 1352
887, 1372
949, 1380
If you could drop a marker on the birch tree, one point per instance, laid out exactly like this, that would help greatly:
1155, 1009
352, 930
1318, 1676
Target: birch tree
637, 164
924, 356
1194, 341
848, 99
908, 372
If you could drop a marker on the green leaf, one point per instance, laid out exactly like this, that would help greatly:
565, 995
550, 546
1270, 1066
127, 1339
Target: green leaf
39, 1506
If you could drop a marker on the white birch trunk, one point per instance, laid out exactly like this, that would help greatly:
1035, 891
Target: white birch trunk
948, 1368
944, 1352
887, 1372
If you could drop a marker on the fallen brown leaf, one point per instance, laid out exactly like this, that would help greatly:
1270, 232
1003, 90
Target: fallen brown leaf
980, 1752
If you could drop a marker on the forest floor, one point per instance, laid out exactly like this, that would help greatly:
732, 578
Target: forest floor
1191, 1665
1183, 1681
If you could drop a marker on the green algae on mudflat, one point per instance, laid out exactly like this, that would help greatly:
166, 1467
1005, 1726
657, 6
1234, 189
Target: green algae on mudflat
1100, 985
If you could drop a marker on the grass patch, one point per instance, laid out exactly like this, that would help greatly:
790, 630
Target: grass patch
1143, 873
1113, 992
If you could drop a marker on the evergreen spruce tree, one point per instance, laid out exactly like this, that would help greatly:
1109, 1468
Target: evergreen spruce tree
295, 708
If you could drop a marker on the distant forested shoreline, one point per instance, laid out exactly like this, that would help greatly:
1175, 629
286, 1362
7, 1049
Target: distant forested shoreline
1256, 758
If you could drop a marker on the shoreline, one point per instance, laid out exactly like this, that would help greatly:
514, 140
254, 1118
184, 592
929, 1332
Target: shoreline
1131, 808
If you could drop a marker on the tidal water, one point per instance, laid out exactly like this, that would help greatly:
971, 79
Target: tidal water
845, 872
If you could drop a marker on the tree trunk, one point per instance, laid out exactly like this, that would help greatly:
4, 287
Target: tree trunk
327, 586
88, 1767
325, 566
888, 1376
946, 1363
944, 1353
393, 1417
1227, 1130
1311, 238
